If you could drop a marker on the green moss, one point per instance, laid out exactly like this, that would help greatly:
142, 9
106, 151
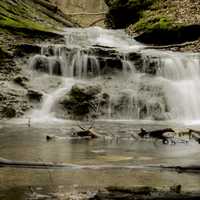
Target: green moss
16, 22
154, 23
23, 16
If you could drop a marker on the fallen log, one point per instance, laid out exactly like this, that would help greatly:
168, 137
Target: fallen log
90, 133
86, 133
157, 134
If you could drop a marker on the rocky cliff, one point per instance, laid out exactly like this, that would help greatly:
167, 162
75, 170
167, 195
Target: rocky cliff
157, 22
23, 23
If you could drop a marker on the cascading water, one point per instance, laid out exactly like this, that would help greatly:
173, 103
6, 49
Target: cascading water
141, 83
182, 86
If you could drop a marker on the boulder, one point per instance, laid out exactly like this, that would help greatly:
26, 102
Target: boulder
82, 101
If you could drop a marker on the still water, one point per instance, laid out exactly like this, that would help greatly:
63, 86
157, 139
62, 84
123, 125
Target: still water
110, 160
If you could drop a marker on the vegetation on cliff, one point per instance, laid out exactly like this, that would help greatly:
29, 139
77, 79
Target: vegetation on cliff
29, 19
23, 24
156, 21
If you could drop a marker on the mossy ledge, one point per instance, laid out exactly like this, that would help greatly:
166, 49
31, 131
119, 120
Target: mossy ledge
32, 19
159, 22
23, 25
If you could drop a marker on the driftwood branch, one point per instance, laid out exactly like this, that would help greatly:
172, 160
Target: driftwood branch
90, 134
86, 133
157, 134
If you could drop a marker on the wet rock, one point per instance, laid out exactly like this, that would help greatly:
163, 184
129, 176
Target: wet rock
13, 103
147, 101
34, 95
110, 65
25, 49
4, 54
85, 92
50, 137
51, 65
86, 62
9, 112
21, 80
48, 51
175, 35
82, 100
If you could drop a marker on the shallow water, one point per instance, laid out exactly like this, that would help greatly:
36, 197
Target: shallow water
101, 162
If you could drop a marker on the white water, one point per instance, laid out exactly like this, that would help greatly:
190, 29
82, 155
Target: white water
45, 113
182, 86
172, 93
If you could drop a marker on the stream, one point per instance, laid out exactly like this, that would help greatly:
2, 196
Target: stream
147, 89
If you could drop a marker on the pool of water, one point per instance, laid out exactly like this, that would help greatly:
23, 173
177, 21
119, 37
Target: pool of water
110, 160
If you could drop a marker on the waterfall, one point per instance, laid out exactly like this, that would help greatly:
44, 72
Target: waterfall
141, 83
182, 74
45, 113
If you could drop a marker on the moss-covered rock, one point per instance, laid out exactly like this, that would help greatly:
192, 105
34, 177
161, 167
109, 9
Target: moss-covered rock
157, 22
82, 101
30, 15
